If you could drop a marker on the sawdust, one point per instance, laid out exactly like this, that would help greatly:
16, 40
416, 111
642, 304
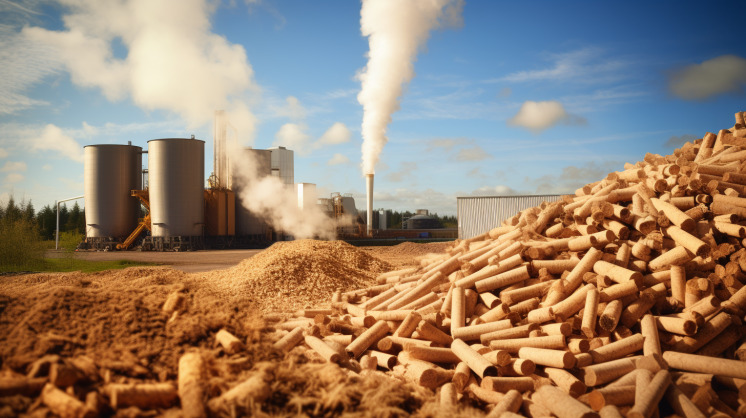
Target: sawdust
407, 253
297, 274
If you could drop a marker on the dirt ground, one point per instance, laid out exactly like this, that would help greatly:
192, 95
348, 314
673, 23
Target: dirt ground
209, 260
189, 262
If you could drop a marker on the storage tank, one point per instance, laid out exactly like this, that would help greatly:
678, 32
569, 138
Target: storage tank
423, 222
176, 172
110, 172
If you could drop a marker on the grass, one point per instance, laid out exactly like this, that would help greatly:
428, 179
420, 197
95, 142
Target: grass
49, 265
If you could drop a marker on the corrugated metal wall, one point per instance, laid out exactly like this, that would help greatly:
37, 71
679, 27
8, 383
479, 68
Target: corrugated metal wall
479, 214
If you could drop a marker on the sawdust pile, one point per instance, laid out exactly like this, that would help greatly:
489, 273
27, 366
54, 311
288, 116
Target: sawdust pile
296, 274
115, 317
408, 253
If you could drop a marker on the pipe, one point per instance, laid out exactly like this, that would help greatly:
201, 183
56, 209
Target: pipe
369, 206
57, 230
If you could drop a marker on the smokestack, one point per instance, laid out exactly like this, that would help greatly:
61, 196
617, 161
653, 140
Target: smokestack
369, 203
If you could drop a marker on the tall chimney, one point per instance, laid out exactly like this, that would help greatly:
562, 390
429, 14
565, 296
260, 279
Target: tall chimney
369, 206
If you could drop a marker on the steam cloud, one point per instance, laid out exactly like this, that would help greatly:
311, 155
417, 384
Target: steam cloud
269, 198
396, 29
172, 62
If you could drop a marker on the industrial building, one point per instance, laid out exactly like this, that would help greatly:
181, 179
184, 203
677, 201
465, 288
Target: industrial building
477, 214
167, 207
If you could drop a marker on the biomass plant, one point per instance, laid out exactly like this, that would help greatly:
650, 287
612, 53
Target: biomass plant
166, 206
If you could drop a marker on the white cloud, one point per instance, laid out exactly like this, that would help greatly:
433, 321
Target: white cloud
447, 144
24, 64
338, 159
720, 75
573, 177
172, 59
602, 98
52, 138
46, 167
14, 178
411, 199
338, 133
13, 166
406, 169
294, 137
477, 174
89, 130
3, 153
500, 190
538, 116
584, 65
475, 153
340, 94
291, 109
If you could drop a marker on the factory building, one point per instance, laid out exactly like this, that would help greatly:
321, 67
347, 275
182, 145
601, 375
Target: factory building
282, 164
477, 214
179, 212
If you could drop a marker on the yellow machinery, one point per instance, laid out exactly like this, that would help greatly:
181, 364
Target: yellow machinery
143, 195
349, 222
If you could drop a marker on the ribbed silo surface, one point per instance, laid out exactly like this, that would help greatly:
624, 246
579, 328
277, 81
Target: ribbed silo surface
110, 172
176, 172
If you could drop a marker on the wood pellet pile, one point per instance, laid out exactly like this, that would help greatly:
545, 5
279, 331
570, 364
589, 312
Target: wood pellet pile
625, 299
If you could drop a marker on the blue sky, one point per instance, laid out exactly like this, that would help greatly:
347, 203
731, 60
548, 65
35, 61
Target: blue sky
521, 98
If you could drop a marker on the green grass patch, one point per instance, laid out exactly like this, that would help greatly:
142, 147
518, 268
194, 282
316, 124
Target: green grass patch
48, 265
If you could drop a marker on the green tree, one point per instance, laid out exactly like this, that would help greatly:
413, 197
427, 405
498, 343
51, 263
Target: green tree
12, 211
64, 215
20, 244
28, 211
74, 219
46, 220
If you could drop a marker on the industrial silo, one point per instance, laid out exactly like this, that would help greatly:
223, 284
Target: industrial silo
110, 173
176, 172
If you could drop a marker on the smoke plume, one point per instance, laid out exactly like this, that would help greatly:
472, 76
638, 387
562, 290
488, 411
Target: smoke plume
159, 56
267, 197
396, 30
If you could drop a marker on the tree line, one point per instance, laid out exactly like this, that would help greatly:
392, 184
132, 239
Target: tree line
23, 232
43, 222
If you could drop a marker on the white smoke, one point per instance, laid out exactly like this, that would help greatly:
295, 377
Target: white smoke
267, 197
396, 30
160, 56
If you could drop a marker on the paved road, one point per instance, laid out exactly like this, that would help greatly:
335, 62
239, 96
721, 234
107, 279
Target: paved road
190, 261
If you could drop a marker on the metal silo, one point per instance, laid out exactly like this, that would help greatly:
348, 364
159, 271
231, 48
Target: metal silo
176, 172
110, 173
